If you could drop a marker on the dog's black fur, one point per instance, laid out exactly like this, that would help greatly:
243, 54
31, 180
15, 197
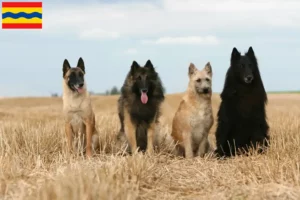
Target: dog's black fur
142, 115
242, 117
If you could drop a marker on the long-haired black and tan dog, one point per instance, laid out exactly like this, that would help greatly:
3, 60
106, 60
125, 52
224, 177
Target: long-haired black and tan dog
242, 117
77, 109
139, 106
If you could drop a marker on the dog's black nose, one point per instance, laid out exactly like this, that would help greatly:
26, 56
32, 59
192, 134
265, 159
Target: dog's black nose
205, 90
249, 79
144, 90
81, 85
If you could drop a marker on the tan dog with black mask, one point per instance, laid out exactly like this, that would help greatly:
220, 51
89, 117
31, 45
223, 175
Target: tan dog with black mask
77, 109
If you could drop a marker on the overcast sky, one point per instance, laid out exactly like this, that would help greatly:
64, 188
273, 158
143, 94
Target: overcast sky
109, 35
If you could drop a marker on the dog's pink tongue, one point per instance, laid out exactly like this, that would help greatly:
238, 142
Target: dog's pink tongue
144, 98
80, 90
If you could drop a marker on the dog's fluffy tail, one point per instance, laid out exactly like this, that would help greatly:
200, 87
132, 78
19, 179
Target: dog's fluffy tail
141, 138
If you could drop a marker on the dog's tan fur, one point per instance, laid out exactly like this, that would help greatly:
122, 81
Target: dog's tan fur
79, 117
194, 117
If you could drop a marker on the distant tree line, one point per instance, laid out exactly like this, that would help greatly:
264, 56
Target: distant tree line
113, 91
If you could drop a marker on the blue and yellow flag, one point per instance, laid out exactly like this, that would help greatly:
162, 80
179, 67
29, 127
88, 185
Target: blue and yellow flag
21, 15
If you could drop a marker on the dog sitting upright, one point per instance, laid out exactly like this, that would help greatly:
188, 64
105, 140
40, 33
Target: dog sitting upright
194, 117
77, 108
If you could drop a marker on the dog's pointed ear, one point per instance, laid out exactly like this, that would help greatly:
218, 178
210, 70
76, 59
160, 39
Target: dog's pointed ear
192, 69
250, 52
134, 67
80, 64
208, 69
149, 65
66, 67
235, 55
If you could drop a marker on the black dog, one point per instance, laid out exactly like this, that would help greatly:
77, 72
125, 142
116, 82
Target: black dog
241, 117
139, 106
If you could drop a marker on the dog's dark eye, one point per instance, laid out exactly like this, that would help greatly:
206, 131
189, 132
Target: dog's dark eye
80, 75
198, 80
207, 79
139, 78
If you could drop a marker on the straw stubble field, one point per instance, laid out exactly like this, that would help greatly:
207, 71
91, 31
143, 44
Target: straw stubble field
35, 164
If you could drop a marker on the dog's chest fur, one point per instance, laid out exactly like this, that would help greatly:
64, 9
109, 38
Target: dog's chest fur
76, 110
75, 118
201, 120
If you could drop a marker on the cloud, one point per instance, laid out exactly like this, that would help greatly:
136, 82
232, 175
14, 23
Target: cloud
230, 5
131, 51
169, 17
98, 34
190, 40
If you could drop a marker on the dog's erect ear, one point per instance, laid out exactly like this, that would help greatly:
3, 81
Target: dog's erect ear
134, 67
208, 69
66, 67
192, 69
235, 55
250, 53
149, 65
80, 64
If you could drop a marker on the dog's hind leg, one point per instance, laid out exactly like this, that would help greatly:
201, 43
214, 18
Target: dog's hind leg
259, 142
95, 142
121, 116
222, 132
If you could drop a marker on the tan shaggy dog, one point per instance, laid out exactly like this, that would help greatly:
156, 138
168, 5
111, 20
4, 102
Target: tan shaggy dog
77, 109
194, 117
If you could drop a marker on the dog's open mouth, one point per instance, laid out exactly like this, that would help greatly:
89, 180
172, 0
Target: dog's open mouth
144, 97
79, 89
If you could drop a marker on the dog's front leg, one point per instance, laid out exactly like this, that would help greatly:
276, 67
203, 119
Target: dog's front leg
150, 135
89, 132
188, 148
130, 132
69, 134
204, 147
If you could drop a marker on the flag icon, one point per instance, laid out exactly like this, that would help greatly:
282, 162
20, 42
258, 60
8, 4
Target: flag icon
21, 15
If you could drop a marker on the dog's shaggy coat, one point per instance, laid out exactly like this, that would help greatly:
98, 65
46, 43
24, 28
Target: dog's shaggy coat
242, 117
194, 117
139, 106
